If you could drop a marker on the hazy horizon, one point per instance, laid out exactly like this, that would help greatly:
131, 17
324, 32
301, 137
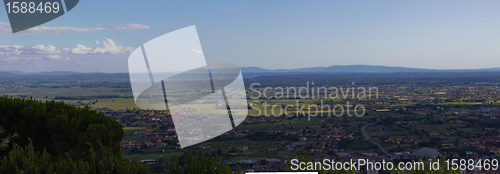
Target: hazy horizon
256, 67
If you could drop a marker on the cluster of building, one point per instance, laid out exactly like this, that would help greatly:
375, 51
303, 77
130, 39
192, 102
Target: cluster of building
138, 144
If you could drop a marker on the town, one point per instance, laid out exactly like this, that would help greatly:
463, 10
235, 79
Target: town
403, 120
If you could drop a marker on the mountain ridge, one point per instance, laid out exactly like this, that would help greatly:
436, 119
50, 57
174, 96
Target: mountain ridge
46, 73
360, 69
342, 69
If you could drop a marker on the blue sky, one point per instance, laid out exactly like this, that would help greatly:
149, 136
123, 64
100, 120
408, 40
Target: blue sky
268, 34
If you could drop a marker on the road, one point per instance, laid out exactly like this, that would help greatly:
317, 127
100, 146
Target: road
368, 138
328, 146
330, 141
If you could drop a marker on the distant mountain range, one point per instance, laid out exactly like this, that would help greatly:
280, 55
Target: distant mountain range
359, 69
337, 69
51, 73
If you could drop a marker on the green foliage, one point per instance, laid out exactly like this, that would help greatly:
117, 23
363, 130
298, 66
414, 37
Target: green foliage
59, 128
28, 160
4, 144
203, 163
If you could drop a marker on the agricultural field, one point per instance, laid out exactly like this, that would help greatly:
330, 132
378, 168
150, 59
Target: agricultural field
404, 115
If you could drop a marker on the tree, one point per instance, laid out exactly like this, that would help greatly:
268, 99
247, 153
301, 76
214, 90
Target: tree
219, 152
58, 128
27, 160
4, 144
203, 163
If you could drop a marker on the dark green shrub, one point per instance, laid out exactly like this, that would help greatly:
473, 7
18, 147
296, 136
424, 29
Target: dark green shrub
203, 163
58, 128
28, 160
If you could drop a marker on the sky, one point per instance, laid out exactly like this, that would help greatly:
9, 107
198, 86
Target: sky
100, 35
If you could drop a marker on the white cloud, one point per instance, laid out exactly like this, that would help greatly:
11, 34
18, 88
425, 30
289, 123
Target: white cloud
109, 48
81, 49
10, 59
53, 57
21, 55
196, 51
81, 63
57, 57
7, 50
40, 49
134, 26
11, 50
5, 29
